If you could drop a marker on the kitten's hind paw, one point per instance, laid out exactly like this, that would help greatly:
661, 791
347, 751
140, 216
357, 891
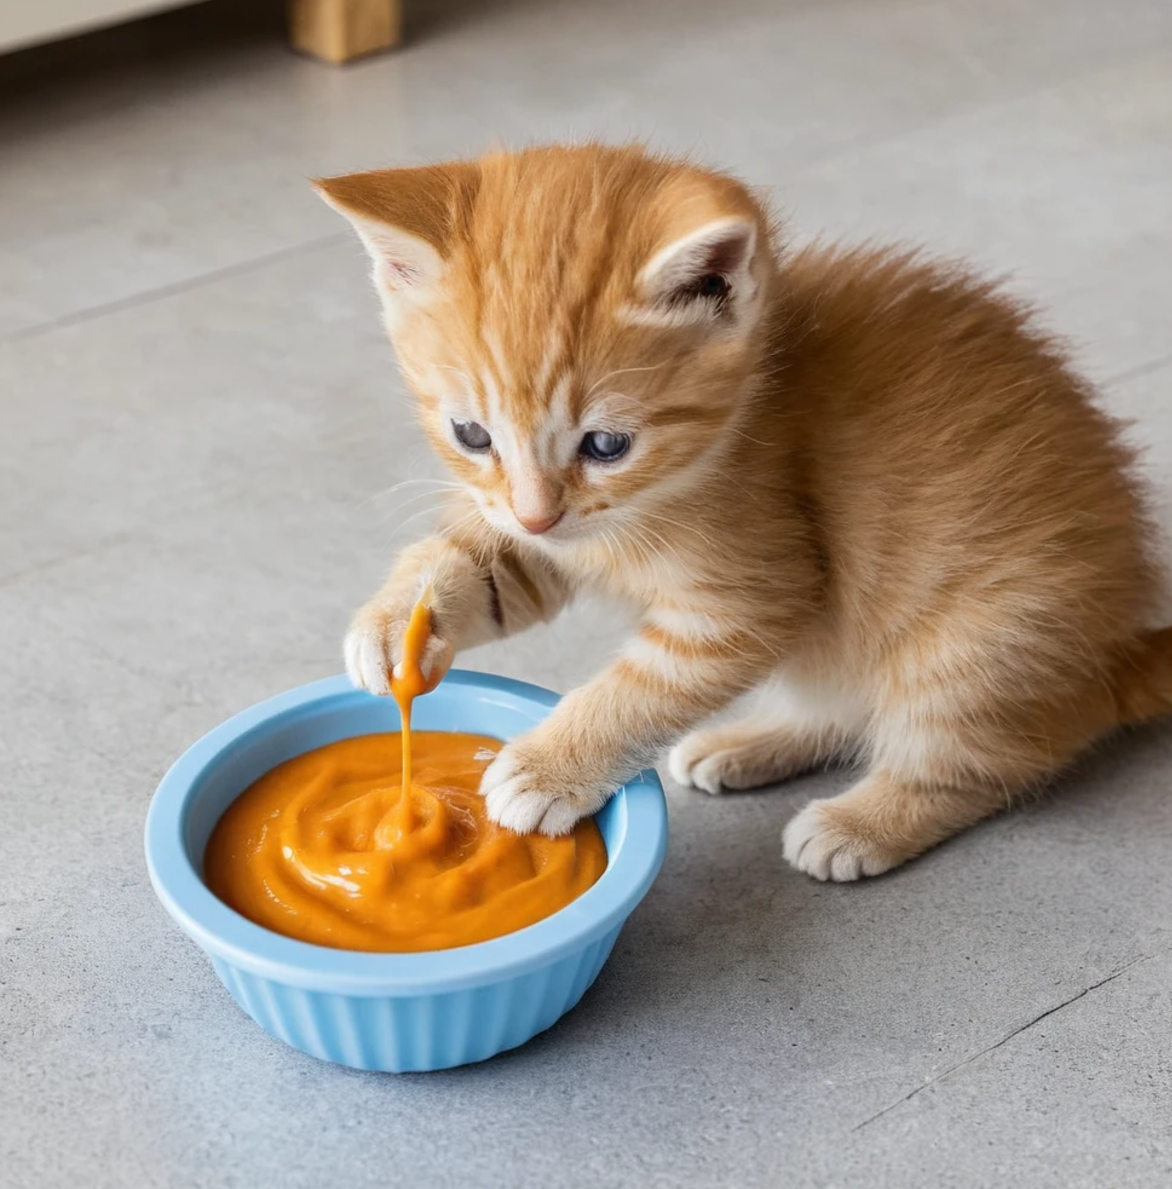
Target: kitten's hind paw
825, 846
739, 756
880, 823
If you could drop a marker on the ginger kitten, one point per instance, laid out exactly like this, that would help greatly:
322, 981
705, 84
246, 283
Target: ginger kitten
857, 488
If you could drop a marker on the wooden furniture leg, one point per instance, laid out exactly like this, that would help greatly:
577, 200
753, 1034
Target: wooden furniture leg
341, 30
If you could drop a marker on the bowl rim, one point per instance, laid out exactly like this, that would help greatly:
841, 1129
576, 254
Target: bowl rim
226, 935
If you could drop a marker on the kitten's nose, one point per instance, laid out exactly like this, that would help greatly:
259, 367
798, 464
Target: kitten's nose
539, 524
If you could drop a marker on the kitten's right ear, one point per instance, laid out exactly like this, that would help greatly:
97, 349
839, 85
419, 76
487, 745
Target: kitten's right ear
704, 276
406, 219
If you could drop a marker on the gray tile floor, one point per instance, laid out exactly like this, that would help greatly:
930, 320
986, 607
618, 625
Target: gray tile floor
198, 418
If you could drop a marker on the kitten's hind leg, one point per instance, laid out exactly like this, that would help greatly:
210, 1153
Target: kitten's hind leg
745, 755
791, 727
881, 822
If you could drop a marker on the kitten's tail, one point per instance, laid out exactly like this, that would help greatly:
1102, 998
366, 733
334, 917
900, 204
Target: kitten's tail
1143, 679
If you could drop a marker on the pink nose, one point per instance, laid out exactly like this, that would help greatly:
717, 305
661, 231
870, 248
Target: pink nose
538, 524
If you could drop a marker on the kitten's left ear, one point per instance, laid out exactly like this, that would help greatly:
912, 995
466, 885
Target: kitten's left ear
406, 218
706, 274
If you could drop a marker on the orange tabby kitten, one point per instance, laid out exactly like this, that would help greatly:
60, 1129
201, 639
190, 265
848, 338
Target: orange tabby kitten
857, 487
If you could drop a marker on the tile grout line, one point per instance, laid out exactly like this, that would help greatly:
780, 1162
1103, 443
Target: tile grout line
146, 296
1004, 1040
850, 146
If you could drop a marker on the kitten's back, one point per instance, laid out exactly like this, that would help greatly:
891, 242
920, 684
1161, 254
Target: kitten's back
954, 459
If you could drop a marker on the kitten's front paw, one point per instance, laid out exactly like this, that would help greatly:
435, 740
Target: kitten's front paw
374, 647
526, 789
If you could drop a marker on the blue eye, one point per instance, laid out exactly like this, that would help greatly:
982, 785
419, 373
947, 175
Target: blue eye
472, 435
604, 447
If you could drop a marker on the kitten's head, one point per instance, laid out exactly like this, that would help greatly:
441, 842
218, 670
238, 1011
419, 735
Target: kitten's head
578, 324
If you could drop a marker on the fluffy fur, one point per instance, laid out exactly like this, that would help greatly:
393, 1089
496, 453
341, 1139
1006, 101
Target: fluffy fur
863, 492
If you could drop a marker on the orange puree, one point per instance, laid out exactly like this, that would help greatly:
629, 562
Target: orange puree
326, 849
410, 682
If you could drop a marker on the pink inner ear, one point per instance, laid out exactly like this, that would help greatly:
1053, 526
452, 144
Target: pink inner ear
401, 260
401, 273
723, 249
726, 256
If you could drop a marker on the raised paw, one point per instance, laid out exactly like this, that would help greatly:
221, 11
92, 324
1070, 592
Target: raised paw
527, 791
374, 648
826, 844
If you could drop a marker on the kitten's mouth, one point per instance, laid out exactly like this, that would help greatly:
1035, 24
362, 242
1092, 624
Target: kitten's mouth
540, 526
554, 530
565, 532
559, 534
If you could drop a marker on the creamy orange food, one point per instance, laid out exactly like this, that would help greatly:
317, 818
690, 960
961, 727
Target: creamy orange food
409, 682
337, 848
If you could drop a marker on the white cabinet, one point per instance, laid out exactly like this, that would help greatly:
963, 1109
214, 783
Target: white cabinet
27, 22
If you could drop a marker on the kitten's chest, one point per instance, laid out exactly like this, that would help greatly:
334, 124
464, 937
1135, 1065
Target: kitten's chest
639, 576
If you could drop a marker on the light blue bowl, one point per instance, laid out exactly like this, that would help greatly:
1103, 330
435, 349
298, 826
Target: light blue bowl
394, 1012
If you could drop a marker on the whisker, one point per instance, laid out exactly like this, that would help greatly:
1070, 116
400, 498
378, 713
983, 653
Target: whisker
441, 498
447, 367
414, 517
450, 483
680, 525
439, 484
748, 438
613, 547
647, 539
636, 538
620, 371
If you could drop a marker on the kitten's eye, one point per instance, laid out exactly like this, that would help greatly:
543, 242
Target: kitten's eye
604, 447
471, 435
